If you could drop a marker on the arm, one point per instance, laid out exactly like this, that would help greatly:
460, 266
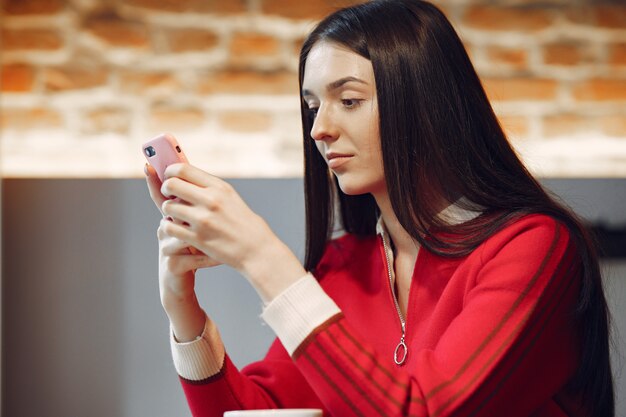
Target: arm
274, 382
212, 384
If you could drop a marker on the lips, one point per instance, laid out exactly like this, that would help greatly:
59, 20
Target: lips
335, 160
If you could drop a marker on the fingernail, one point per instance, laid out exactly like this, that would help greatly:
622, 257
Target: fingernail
145, 169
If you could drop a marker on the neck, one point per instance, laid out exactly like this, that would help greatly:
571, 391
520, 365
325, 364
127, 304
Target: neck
402, 240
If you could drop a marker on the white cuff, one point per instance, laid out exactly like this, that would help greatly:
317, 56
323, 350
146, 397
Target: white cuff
201, 358
299, 310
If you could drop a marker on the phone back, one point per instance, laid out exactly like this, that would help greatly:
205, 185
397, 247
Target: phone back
163, 151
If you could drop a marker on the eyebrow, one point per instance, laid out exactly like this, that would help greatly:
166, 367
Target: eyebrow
336, 84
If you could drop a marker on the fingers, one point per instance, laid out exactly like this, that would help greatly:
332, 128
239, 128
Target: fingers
178, 231
170, 246
179, 265
180, 212
190, 184
191, 174
182, 257
176, 187
154, 186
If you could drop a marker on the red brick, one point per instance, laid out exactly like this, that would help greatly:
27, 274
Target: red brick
567, 54
62, 79
310, 9
165, 118
117, 32
506, 89
514, 57
249, 82
601, 89
106, 120
245, 121
30, 39
32, 7
508, 18
614, 125
17, 78
567, 125
140, 83
192, 6
611, 16
617, 54
30, 119
186, 40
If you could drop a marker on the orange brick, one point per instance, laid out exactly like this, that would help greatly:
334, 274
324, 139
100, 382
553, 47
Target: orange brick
253, 44
506, 89
186, 40
106, 120
32, 7
149, 83
62, 79
30, 119
116, 32
247, 48
515, 126
567, 125
165, 117
562, 54
601, 89
17, 78
191, 6
30, 39
514, 57
249, 82
245, 121
508, 18
617, 54
614, 125
310, 9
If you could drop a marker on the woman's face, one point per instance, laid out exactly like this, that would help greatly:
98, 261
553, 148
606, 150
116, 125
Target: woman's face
340, 91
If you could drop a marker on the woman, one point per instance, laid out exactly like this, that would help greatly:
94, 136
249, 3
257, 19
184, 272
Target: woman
459, 286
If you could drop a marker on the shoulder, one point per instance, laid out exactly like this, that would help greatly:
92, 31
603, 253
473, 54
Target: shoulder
531, 246
538, 231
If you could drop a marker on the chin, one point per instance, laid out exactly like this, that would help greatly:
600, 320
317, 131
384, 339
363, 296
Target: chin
352, 188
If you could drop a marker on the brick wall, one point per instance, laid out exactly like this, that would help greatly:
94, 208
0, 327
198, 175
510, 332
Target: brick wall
84, 82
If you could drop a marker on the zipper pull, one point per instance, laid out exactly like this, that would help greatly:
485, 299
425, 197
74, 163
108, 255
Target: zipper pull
401, 352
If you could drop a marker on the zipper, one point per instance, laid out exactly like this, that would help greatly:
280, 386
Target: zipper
401, 351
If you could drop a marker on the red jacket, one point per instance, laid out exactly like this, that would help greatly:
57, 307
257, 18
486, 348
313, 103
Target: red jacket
489, 334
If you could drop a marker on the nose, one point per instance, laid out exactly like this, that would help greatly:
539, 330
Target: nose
323, 128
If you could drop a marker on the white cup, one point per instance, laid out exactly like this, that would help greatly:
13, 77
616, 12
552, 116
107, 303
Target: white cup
285, 412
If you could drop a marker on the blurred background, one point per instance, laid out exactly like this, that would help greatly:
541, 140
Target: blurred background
85, 82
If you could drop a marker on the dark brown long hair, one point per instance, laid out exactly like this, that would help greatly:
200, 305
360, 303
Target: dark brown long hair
440, 137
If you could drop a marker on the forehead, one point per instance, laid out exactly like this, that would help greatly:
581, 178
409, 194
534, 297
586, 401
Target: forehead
328, 62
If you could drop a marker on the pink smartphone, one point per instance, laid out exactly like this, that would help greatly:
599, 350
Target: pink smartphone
163, 151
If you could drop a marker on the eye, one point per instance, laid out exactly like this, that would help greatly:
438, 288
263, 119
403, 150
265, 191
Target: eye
312, 112
351, 103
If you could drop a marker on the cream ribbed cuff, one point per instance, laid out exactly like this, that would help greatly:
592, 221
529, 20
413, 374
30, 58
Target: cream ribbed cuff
201, 358
299, 310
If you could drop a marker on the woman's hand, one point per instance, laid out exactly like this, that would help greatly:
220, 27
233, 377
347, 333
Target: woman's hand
209, 215
177, 265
